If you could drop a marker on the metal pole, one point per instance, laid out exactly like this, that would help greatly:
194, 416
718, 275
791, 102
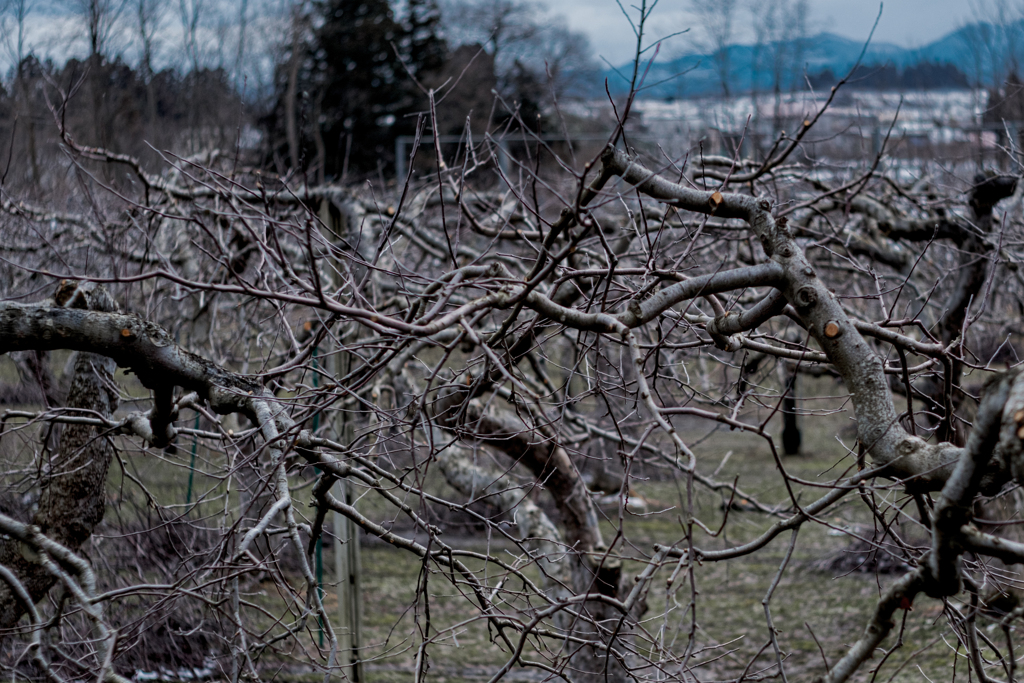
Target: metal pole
343, 573
350, 613
319, 559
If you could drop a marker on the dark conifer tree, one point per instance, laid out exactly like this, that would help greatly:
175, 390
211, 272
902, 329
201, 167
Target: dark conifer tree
357, 82
427, 50
524, 93
425, 54
357, 88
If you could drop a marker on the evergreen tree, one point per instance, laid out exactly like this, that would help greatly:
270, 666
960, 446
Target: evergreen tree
425, 54
357, 89
356, 86
427, 50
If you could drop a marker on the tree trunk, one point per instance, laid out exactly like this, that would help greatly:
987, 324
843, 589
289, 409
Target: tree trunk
791, 437
25, 109
291, 97
966, 294
72, 500
594, 569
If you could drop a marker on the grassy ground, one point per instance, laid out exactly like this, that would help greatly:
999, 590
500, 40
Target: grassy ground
815, 612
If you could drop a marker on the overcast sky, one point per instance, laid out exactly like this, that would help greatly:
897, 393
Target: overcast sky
909, 23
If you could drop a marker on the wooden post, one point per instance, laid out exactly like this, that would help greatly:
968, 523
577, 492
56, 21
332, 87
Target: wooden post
347, 566
401, 147
346, 558
504, 157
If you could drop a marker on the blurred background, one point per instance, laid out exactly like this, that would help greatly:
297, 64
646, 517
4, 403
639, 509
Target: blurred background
334, 90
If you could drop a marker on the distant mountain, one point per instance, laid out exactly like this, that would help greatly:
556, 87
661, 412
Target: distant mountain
973, 47
970, 49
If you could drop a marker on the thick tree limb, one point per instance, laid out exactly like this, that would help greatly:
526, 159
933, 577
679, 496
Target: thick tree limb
924, 466
73, 497
133, 343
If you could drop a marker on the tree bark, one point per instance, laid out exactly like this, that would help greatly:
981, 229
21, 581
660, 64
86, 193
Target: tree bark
594, 570
791, 436
72, 500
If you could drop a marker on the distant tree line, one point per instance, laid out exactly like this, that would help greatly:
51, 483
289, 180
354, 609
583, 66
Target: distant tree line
359, 73
111, 104
1006, 104
921, 76
337, 81
347, 78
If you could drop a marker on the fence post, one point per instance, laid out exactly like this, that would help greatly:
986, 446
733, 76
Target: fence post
346, 555
504, 157
347, 563
400, 165
347, 566
1013, 139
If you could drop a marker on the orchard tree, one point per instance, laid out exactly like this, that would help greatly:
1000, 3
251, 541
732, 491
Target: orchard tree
462, 350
